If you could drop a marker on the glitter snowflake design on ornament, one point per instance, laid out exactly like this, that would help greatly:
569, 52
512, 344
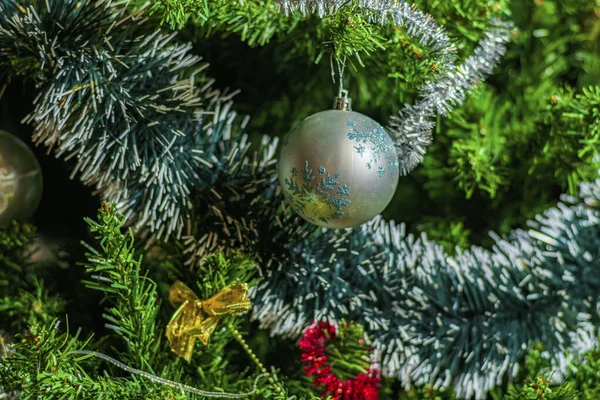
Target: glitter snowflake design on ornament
367, 132
320, 201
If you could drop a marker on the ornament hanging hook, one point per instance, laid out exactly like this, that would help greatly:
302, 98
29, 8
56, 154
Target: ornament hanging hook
342, 101
341, 66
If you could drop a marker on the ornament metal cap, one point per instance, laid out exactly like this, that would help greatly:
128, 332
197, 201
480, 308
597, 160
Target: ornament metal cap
342, 102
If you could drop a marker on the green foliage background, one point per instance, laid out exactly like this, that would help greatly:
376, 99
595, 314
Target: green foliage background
530, 132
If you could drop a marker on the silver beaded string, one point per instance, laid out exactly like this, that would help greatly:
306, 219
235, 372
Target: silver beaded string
176, 385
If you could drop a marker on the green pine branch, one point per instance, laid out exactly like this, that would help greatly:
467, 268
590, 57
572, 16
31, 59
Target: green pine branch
540, 389
132, 298
216, 271
563, 144
254, 21
569, 137
581, 383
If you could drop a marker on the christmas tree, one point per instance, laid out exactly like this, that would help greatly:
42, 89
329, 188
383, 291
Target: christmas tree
184, 215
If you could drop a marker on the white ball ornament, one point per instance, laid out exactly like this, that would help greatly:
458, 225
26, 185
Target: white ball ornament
20, 180
338, 168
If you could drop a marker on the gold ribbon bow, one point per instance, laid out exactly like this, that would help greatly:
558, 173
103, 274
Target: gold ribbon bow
197, 319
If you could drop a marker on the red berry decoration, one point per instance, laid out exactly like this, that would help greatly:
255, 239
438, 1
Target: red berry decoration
322, 347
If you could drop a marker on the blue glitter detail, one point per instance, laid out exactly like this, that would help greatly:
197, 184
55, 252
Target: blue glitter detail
344, 190
310, 192
360, 149
378, 141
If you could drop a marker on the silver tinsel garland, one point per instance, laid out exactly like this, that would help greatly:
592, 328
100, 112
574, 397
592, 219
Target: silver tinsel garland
411, 128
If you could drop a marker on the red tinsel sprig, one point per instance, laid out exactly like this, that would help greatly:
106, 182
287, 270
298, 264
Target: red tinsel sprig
313, 344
